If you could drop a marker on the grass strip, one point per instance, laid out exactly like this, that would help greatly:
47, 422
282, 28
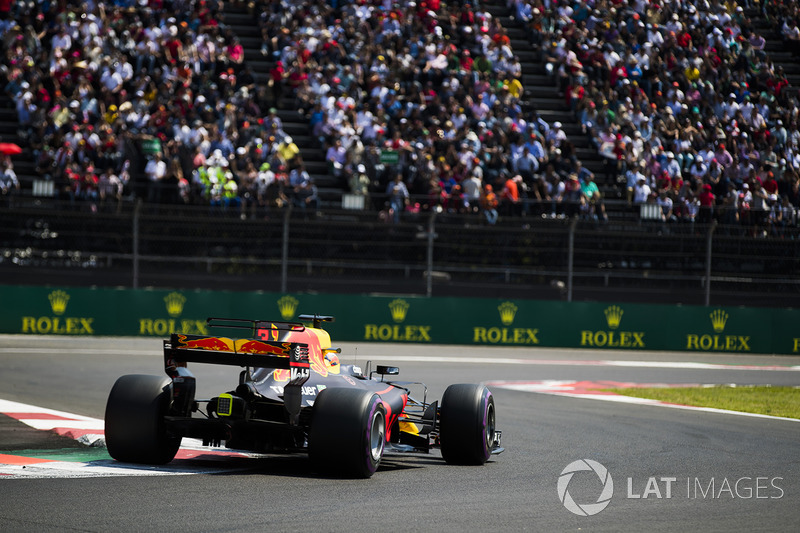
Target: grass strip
763, 400
70, 455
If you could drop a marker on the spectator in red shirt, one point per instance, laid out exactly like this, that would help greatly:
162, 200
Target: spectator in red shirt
770, 184
707, 200
173, 46
277, 76
235, 51
465, 62
500, 38
297, 77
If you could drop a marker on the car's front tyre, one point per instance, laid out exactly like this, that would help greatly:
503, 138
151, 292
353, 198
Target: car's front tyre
134, 420
467, 424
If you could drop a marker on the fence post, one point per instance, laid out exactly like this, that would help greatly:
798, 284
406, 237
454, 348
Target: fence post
709, 241
431, 236
285, 252
137, 207
571, 255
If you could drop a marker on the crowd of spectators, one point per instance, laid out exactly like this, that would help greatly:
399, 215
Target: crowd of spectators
108, 91
684, 104
96, 84
417, 104
436, 85
435, 88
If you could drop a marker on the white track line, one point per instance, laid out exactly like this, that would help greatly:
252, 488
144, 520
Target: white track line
566, 388
578, 362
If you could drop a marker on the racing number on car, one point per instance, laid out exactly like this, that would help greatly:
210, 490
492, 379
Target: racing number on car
265, 334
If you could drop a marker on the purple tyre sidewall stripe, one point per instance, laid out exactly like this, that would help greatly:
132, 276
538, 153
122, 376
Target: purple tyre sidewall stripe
371, 466
486, 396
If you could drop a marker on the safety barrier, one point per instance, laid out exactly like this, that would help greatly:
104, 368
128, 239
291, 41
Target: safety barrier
431, 254
478, 321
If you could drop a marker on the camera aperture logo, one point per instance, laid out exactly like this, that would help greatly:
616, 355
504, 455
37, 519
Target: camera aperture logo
585, 509
657, 487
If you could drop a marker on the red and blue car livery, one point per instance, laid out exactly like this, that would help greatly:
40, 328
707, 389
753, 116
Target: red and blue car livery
293, 396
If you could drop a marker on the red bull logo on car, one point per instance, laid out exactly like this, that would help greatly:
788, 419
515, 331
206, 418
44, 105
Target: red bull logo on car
224, 344
221, 344
260, 347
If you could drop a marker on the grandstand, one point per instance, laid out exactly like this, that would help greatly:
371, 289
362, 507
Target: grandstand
186, 99
542, 92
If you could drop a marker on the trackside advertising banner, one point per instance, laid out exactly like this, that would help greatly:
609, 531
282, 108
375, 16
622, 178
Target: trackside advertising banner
481, 321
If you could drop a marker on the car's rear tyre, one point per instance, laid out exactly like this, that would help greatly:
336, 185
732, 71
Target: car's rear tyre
467, 424
135, 429
348, 432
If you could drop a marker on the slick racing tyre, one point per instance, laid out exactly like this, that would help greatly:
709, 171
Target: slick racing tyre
348, 432
467, 424
135, 430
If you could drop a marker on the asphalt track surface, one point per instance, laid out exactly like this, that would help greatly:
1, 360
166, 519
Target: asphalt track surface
642, 447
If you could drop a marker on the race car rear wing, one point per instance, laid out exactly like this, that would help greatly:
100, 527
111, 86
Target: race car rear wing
251, 353
244, 352
235, 352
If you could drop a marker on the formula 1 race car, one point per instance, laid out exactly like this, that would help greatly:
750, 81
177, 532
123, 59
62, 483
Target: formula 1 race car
293, 396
